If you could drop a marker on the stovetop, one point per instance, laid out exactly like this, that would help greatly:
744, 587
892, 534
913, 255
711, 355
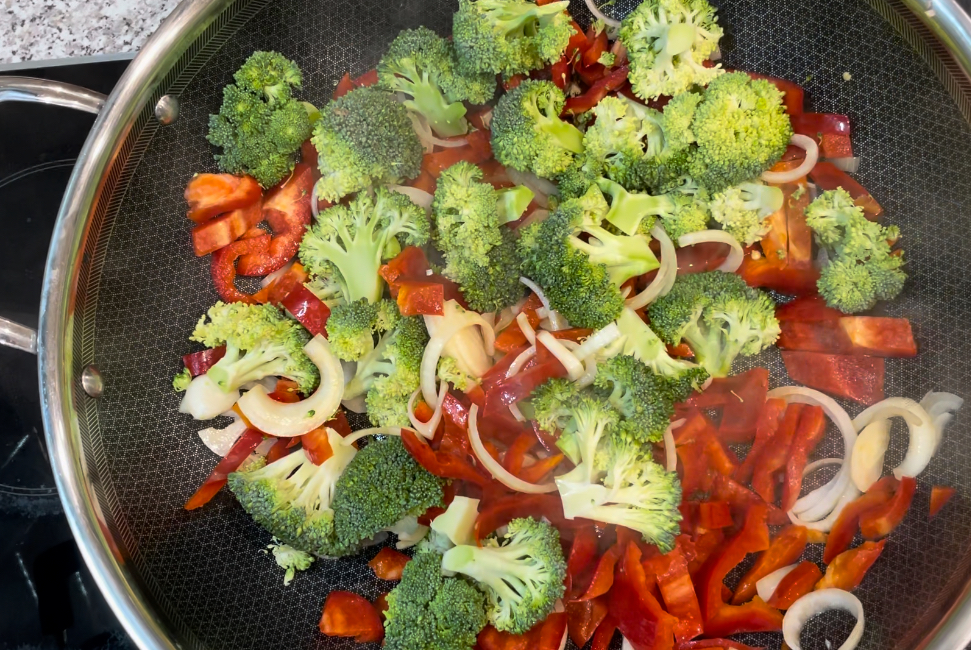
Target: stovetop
47, 596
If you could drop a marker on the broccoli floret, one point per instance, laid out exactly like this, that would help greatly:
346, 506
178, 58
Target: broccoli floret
350, 329
527, 132
552, 403
496, 285
260, 126
521, 574
348, 243
741, 130
380, 486
863, 267
292, 498
422, 65
181, 381
742, 210
509, 36
718, 315
631, 213
260, 342
364, 138
428, 611
448, 370
643, 344
689, 209
667, 43
290, 559
644, 399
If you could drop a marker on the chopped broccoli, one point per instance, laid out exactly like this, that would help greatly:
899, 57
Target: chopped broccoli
351, 326
509, 36
423, 65
348, 243
379, 487
364, 138
527, 132
644, 399
496, 285
742, 210
863, 267
448, 370
260, 342
552, 403
181, 381
522, 574
718, 315
512, 202
680, 212
668, 42
741, 130
428, 611
292, 498
260, 127
643, 344
290, 559
690, 210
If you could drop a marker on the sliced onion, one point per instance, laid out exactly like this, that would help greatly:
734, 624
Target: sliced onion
520, 361
555, 322
526, 328
767, 585
506, 317
427, 137
812, 155
716, 54
373, 431
427, 429
849, 164
597, 341
220, 441
204, 399
866, 464
264, 447
825, 524
659, 286
532, 286
421, 198
536, 216
356, 404
574, 368
821, 501
670, 451
735, 257
592, 6
279, 273
314, 209
590, 372
923, 434
441, 334
941, 406
817, 464
486, 118
541, 187
817, 602
516, 413
499, 472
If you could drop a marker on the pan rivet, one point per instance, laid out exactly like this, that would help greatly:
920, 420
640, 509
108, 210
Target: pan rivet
167, 110
91, 381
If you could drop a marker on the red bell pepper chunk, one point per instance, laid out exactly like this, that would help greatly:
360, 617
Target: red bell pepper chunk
847, 569
278, 450
603, 576
560, 72
285, 391
702, 548
478, 150
369, 78
714, 514
545, 635
742, 499
537, 471
583, 617
742, 397
381, 605
848, 521
690, 441
604, 635
239, 452
854, 377
600, 89
800, 245
503, 510
754, 616
775, 242
280, 287
199, 363
770, 417
679, 596
794, 94
223, 267
209, 195
812, 428
349, 615
699, 258
640, 618
940, 495
859, 335
828, 176
880, 521
784, 549
440, 463
316, 445
598, 45
515, 455
412, 265
583, 551
420, 298
308, 309
815, 125
770, 274
807, 309
773, 457
796, 584
388, 564
520, 386
222, 231
344, 86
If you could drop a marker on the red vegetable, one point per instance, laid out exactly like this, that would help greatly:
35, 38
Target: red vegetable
785, 549
369, 78
317, 446
854, 377
583, 617
478, 150
223, 267
285, 391
847, 569
846, 524
796, 584
770, 416
308, 309
280, 287
439, 462
344, 86
714, 514
604, 634
639, 616
543, 636
794, 94
742, 499
716, 644
828, 176
770, 274
858, 335
560, 72
773, 457
583, 551
807, 309
411, 265
349, 615
418, 298
600, 89
220, 473
742, 397
940, 495
209, 195
800, 245
603, 575
278, 450
679, 596
702, 257
881, 520
520, 386
200, 362
817, 124
388, 564
222, 231
812, 428
500, 512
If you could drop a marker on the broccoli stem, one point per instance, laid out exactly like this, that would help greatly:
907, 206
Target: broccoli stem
498, 567
567, 135
234, 370
446, 118
680, 38
713, 352
625, 257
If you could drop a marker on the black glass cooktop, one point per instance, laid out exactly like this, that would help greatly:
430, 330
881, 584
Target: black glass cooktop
47, 596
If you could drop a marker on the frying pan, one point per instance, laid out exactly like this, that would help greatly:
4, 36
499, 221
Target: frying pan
123, 290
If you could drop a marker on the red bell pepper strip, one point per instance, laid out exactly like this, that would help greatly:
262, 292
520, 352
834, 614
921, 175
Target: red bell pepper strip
796, 584
715, 644
349, 615
769, 274
773, 457
279, 288
344, 86
439, 463
583, 617
793, 97
222, 231
604, 635
239, 452
597, 46
807, 309
417, 298
286, 391
503, 510
369, 78
800, 234
816, 124
278, 450
940, 495
775, 242
858, 335
741, 499
702, 257
880, 521
316, 445
520, 386
770, 417
603, 575
714, 514
828, 176
412, 265
583, 551
478, 150
754, 616
742, 407
679, 597
515, 455
209, 195
640, 618
200, 362
560, 72
600, 89
848, 521
690, 441
537, 471
702, 548
842, 375
812, 428
223, 267
388, 564
847, 569
308, 309
785, 548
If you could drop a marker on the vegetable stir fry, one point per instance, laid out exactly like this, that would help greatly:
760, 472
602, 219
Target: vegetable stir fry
532, 256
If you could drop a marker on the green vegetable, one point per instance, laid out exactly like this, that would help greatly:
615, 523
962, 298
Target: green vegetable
742, 210
521, 574
351, 326
680, 212
290, 559
513, 202
181, 380
448, 370
643, 344
269, 74
644, 399
364, 138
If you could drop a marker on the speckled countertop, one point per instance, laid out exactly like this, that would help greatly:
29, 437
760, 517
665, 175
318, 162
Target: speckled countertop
32, 30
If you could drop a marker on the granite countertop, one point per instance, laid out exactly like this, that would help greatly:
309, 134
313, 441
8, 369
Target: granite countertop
56, 29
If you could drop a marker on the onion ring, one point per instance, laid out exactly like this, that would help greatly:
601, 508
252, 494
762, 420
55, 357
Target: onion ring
735, 257
817, 602
812, 155
659, 286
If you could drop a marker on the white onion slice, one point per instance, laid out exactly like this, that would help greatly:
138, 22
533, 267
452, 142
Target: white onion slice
441, 330
941, 406
590, 372
610, 22
204, 399
516, 413
526, 328
670, 451
849, 164
597, 341
822, 462
574, 368
373, 431
314, 209
421, 198
825, 524
817, 602
506, 317
659, 286
279, 273
427, 429
812, 155
220, 441
427, 137
499, 472
767, 585
555, 322
735, 257
532, 286
264, 447
541, 187
520, 361
866, 464
923, 434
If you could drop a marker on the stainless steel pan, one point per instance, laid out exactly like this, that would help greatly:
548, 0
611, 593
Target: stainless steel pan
122, 291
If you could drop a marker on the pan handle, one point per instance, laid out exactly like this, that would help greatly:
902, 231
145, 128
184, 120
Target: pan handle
55, 93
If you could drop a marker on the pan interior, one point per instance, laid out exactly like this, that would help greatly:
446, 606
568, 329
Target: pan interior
207, 571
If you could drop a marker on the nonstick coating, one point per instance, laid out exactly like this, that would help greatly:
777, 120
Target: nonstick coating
208, 571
